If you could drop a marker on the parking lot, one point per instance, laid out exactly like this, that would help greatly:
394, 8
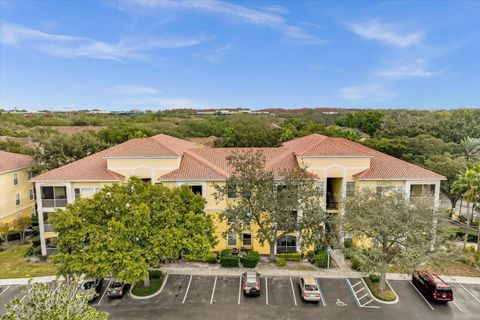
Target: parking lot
220, 297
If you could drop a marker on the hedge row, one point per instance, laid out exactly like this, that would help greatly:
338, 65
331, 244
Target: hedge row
294, 256
250, 260
229, 261
321, 259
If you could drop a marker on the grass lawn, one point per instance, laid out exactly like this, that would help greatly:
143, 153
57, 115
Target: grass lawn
155, 284
386, 295
14, 265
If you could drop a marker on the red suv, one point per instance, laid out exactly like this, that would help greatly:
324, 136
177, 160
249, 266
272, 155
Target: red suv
432, 286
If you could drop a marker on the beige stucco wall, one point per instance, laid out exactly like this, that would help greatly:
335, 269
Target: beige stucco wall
143, 168
8, 209
335, 167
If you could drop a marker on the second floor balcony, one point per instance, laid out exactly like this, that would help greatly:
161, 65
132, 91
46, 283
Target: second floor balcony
54, 197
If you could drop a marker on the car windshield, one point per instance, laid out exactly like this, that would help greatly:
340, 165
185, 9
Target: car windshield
88, 285
251, 284
116, 284
310, 287
447, 290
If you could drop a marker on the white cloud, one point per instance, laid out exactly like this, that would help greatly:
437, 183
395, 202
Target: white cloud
388, 33
262, 17
129, 89
369, 91
67, 46
215, 55
417, 69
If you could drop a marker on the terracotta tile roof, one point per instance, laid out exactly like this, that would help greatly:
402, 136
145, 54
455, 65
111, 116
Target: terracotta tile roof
382, 166
11, 161
211, 163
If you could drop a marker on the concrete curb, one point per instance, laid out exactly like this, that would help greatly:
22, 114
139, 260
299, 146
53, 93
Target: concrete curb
379, 300
150, 296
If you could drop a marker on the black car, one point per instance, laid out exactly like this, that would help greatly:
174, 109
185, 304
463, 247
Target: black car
117, 289
93, 285
432, 286
251, 283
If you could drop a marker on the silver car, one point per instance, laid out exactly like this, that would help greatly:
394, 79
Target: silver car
309, 289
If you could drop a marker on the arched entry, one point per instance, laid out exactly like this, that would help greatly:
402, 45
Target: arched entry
286, 244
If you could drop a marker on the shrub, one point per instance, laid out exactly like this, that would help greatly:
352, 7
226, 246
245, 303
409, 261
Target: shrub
321, 259
36, 241
281, 262
347, 243
294, 256
229, 261
155, 274
35, 231
211, 257
13, 235
33, 251
309, 255
469, 249
225, 252
357, 262
374, 278
250, 260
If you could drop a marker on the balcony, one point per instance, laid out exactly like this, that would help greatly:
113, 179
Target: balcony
48, 227
54, 203
51, 251
332, 205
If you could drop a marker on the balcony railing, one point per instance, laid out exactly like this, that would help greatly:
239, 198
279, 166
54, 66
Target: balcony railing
286, 249
48, 227
332, 205
51, 251
54, 203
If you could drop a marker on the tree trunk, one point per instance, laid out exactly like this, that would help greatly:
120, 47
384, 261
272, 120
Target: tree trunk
466, 230
383, 277
146, 281
272, 251
461, 204
454, 204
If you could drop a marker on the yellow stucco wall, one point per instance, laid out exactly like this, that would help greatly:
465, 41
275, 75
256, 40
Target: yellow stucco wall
8, 208
335, 167
143, 168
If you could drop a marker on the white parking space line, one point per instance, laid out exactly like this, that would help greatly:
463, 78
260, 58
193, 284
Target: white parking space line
421, 295
104, 292
213, 290
353, 292
21, 300
3, 291
469, 292
293, 292
457, 305
365, 295
356, 284
188, 288
363, 288
239, 289
321, 293
266, 291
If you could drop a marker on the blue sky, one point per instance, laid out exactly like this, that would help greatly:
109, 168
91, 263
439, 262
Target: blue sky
154, 54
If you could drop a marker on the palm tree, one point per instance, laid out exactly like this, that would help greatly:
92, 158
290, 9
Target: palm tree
471, 147
469, 184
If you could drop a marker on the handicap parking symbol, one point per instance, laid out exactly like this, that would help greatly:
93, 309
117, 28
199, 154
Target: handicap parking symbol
340, 303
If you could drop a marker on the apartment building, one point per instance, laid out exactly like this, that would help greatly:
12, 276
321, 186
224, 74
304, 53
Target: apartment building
17, 197
341, 166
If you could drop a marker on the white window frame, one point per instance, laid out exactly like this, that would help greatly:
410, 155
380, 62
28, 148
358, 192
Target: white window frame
349, 192
17, 199
15, 179
31, 194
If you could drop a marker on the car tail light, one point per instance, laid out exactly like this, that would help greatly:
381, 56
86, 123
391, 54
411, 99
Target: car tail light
257, 286
244, 285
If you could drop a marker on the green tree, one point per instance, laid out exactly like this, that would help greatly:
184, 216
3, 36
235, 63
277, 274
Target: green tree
468, 183
401, 234
279, 208
366, 121
116, 134
125, 229
449, 167
471, 147
4, 230
43, 303
59, 149
21, 225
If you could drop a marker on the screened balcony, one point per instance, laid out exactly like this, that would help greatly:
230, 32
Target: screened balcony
54, 197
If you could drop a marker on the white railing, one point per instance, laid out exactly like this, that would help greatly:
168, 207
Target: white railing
54, 203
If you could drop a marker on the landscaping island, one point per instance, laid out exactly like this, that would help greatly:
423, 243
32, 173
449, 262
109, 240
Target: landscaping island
156, 281
388, 294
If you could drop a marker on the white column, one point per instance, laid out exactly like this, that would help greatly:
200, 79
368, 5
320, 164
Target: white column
408, 186
43, 245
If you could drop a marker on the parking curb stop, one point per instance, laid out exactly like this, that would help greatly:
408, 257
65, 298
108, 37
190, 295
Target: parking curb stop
378, 300
150, 296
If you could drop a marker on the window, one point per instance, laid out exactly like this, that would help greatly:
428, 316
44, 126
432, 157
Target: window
77, 193
85, 192
231, 191
196, 189
17, 199
381, 190
247, 239
350, 189
31, 194
15, 178
231, 239
29, 174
